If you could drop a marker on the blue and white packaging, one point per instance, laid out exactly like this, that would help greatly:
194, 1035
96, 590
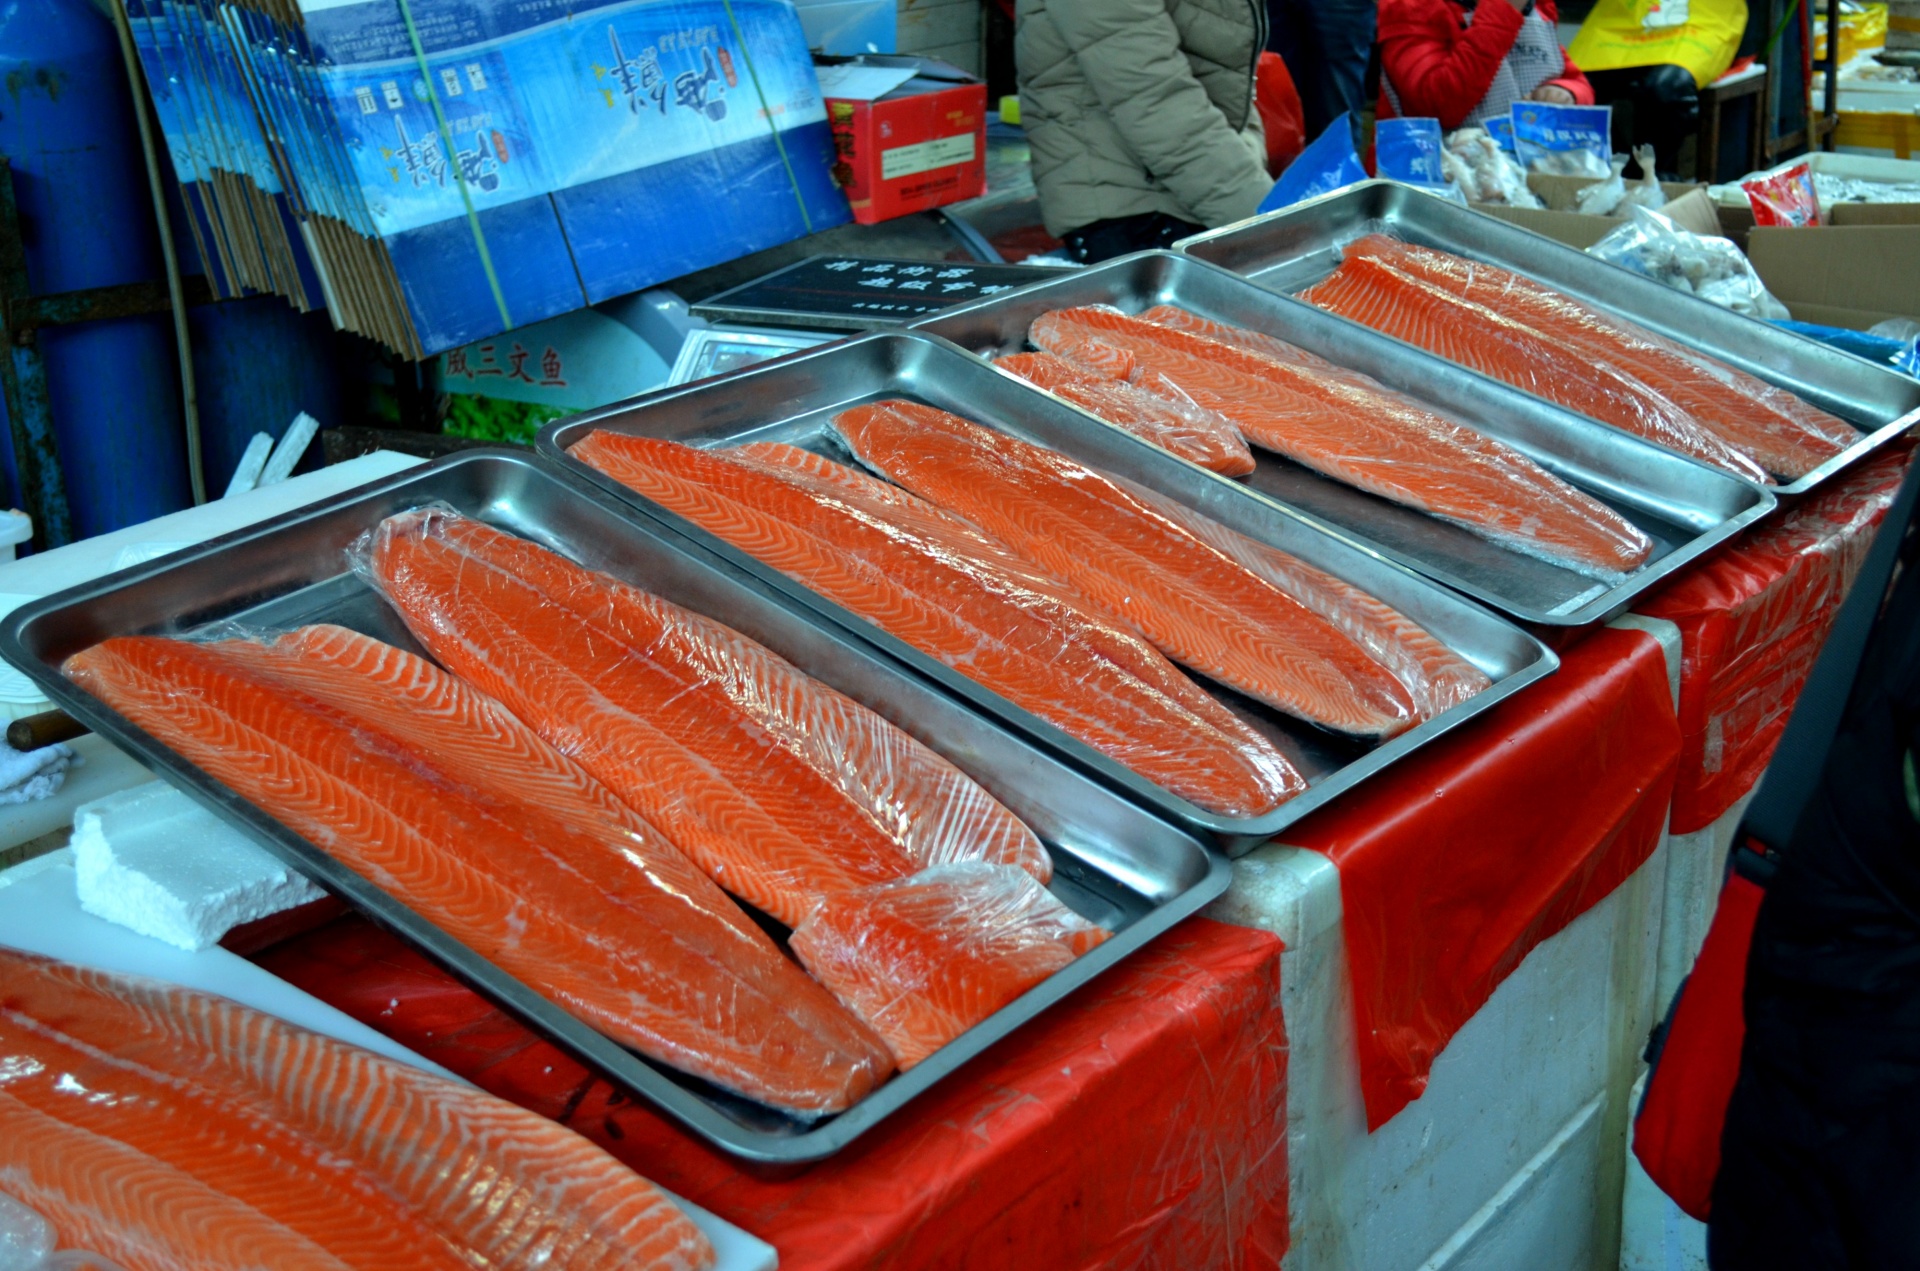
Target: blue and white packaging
1329, 163
1500, 128
1409, 151
1573, 141
453, 168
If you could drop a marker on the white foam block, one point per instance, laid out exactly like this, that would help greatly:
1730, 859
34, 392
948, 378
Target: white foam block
153, 861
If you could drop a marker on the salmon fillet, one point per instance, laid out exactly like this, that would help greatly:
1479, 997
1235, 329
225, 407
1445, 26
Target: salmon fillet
839, 783
924, 960
761, 822
1354, 429
1181, 427
1766, 423
1435, 677
1194, 604
1078, 671
172, 1130
441, 798
1504, 346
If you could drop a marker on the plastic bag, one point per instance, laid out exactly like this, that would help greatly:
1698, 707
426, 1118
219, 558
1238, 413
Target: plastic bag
1474, 160
1711, 268
1700, 35
925, 959
1329, 164
1500, 128
1573, 141
1410, 151
1786, 197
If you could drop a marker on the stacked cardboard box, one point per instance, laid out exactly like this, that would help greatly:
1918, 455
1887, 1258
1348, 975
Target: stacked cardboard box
437, 171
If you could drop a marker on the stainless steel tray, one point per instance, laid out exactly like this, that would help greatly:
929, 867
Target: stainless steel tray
1686, 508
1287, 250
794, 400
1115, 863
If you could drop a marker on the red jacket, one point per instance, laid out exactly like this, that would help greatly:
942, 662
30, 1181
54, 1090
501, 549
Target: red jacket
1439, 66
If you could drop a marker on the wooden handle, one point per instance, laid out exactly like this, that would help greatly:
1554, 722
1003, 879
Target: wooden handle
44, 729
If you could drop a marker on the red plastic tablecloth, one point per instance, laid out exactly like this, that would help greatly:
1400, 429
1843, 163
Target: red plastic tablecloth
1143, 1124
1752, 620
1458, 861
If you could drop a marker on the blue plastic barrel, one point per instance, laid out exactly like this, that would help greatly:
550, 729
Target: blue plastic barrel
67, 125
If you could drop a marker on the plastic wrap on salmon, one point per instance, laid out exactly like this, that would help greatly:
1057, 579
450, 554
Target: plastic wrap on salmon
440, 797
1435, 677
669, 741
1766, 423
1356, 430
1086, 675
779, 787
173, 1130
1178, 425
1497, 343
1195, 604
924, 960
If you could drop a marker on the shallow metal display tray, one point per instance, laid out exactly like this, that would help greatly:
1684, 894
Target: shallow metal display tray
1686, 508
1115, 863
1298, 246
794, 400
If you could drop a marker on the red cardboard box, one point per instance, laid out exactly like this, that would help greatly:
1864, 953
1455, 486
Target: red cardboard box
909, 133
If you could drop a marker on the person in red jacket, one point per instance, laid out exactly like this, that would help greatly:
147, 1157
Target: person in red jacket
1463, 63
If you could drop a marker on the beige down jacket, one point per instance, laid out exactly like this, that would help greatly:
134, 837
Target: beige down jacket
1136, 106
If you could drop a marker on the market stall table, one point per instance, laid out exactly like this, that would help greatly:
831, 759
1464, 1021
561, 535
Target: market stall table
1469, 971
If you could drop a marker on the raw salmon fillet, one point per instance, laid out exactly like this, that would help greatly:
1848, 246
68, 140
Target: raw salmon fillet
1504, 346
1087, 676
924, 960
1435, 677
1354, 429
1187, 428
760, 821
1199, 607
1766, 423
662, 704
440, 797
172, 1130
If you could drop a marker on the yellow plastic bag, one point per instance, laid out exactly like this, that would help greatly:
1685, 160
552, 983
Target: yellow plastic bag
1701, 35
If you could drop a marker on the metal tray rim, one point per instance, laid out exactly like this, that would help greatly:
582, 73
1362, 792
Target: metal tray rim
593, 1047
1195, 245
1235, 833
1611, 602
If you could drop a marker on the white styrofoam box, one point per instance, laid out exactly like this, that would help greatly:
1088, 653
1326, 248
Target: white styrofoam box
1565, 1029
39, 914
1696, 867
1544, 1216
1655, 1234
154, 861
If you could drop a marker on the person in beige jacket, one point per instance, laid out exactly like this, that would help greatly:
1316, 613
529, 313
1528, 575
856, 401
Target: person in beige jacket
1140, 116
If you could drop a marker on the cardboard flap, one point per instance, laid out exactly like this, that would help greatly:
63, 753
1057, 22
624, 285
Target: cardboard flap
1845, 276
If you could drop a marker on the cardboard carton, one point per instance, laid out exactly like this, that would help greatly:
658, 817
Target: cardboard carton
909, 139
1841, 275
1687, 206
1561, 222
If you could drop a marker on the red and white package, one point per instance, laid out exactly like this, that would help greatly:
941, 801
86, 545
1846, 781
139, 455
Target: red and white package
1784, 198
